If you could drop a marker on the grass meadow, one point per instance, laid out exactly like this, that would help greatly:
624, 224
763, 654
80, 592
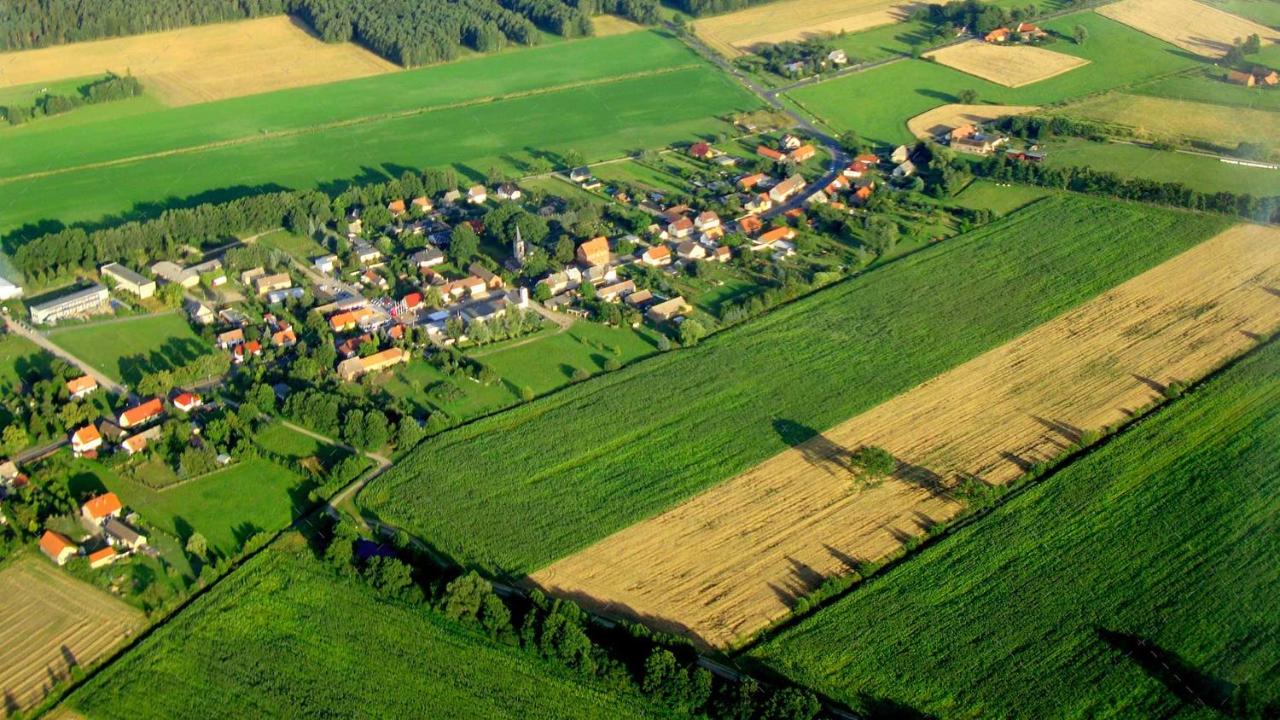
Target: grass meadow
1137, 582
1209, 87
286, 637
1198, 172
128, 348
18, 358
1000, 199
513, 492
1118, 56
600, 121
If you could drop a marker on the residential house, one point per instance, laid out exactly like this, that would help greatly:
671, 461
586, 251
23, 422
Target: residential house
1028, 32
975, 145
230, 338
803, 153
750, 224
57, 547
187, 401
325, 263
267, 283
354, 368
900, 154
369, 278
639, 299
617, 291
656, 256
134, 444
758, 204
837, 57
81, 386
86, 440
10, 476
427, 257
767, 152
597, 274
776, 235
856, 169
121, 535
790, 142
700, 151
142, 413
248, 276
397, 208
355, 227
785, 189
244, 351
680, 228
366, 254
580, 174
451, 197
492, 280
232, 317
707, 221
870, 159
863, 194
1267, 77
667, 310
817, 198
92, 300
593, 252
101, 507
721, 254
128, 280
689, 251
102, 558
477, 194
199, 313
999, 35
906, 169
725, 161
422, 204
468, 286
509, 191
750, 181
285, 337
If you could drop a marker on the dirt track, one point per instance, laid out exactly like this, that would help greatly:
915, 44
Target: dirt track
1190, 25
202, 63
728, 562
47, 621
1009, 65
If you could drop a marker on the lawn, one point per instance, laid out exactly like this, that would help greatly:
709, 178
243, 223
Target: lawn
600, 121
516, 491
1119, 56
549, 363
429, 390
128, 348
300, 247
286, 637
480, 79
1000, 199
1208, 87
1138, 582
631, 171
227, 507
20, 357
1266, 12
1198, 172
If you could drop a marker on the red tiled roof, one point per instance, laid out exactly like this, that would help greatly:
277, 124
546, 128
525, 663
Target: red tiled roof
102, 505
142, 413
81, 384
53, 544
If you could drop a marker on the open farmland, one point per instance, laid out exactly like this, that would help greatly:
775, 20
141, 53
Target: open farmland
941, 119
50, 621
601, 119
1009, 65
1193, 26
1209, 87
204, 63
732, 34
589, 461
732, 560
1265, 12
286, 637
1118, 56
1163, 118
1198, 172
1001, 199
125, 349
1138, 582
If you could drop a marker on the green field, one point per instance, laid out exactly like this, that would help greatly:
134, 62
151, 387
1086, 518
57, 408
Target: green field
878, 103
1198, 172
549, 363
1000, 199
128, 348
300, 247
583, 463
19, 357
631, 171
227, 507
1138, 582
294, 445
26, 96
1266, 12
285, 637
1208, 87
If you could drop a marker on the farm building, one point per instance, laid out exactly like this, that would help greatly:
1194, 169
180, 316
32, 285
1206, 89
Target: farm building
57, 547
128, 280
353, 368
101, 507
102, 558
767, 152
593, 252
121, 535
92, 300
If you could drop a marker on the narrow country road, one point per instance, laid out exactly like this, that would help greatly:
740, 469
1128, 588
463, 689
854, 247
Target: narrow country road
17, 327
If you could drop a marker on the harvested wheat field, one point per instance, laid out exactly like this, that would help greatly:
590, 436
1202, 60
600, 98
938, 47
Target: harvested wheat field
941, 119
200, 64
49, 621
1161, 118
606, 25
736, 33
733, 559
1190, 25
1009, 65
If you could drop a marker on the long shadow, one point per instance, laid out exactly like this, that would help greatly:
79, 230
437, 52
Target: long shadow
1189, 685
816, 449
1069, 432
1156, 385
848, 561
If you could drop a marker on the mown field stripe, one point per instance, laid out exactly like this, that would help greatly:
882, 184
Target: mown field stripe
351, 122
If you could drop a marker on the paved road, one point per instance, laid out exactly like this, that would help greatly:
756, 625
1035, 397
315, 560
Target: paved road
37, 453
17, 327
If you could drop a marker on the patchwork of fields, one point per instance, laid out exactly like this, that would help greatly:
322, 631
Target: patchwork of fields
613, 106
1163, 118
1117, 56
734, 33
1193, 26
49, 621
1009, 65
732, 560
517, 491
1138, 582
285, 636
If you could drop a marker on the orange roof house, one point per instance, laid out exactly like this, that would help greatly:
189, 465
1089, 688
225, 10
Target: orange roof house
998, 35
656, 255
285, 337
134, 444
142, 413
751, 181
750, 224
863, 193
102, 507
594, 251
776, 234
230, 337
396, 207
57, 547
81, 386
86, 440
186, 402
105, 556
768, 152
803, 153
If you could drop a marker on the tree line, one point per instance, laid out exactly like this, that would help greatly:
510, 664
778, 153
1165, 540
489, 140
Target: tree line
112, 87
40, 23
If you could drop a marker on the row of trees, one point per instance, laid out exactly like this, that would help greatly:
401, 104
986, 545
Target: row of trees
112, 87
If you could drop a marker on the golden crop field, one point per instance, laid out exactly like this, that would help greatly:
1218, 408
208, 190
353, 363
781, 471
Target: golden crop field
735, 33
1157, 117
730, 561
606, 25
49, 621
946, 117
203, 63
1009, 65
1190, 25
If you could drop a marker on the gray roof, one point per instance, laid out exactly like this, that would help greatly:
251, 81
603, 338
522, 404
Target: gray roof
69, 298
118, 530
123, 273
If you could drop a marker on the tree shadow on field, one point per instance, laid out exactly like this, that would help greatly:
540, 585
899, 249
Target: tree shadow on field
621, 611
1152, 383
937, 95
1188, 684
816, 449
881, 708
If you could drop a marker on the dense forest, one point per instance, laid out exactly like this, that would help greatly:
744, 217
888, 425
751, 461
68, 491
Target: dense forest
409, 32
